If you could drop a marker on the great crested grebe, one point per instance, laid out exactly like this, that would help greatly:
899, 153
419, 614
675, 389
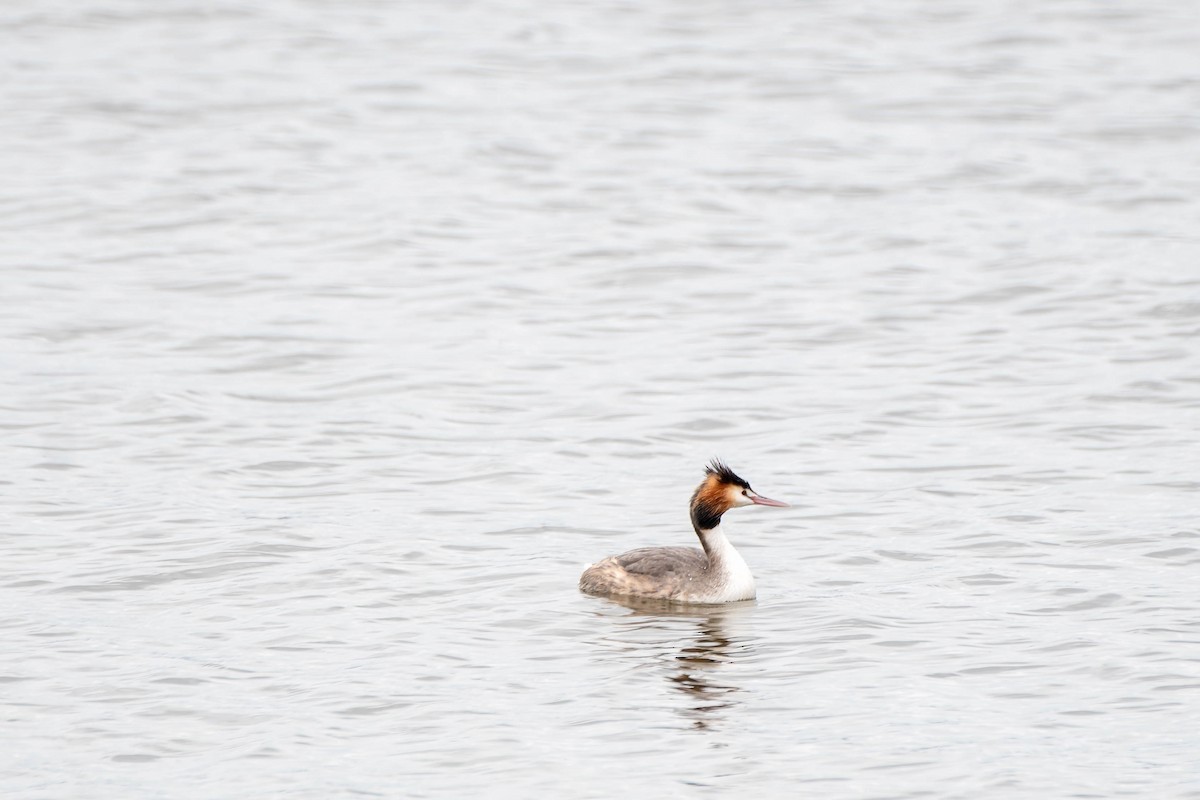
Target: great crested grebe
716, 574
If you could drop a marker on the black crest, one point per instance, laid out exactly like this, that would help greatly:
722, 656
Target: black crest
724, 473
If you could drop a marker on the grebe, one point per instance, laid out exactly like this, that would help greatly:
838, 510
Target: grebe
716, 574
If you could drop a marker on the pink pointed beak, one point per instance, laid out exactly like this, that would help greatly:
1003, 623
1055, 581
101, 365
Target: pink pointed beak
759, 500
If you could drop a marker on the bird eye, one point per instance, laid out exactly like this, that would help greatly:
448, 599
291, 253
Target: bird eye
745, 492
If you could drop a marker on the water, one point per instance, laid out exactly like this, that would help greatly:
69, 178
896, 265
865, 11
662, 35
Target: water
337, 338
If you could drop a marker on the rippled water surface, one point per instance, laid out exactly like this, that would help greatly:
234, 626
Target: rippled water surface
338, 337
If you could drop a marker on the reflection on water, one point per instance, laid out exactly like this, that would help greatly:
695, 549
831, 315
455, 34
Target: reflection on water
699, 674
706, 639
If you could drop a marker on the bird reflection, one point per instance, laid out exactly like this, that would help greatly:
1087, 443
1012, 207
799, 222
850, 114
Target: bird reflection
695, 670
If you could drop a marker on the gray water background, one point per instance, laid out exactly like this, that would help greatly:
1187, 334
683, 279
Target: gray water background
338, 337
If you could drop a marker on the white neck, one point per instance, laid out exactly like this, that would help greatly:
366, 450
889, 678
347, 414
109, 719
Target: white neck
735, 582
